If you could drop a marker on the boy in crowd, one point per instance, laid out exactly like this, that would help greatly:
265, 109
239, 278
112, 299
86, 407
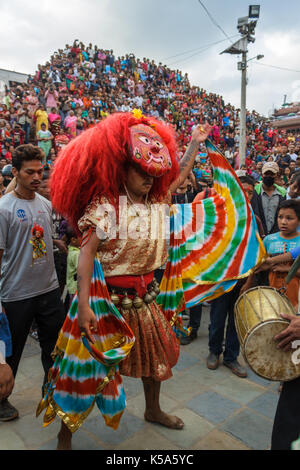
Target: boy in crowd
287, 239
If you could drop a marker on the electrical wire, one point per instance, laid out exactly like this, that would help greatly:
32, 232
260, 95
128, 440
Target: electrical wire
196, 53
214, 21
197, 49
276, 67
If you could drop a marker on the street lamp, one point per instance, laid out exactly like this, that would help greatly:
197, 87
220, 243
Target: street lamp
247, 30
257, 57
254, 11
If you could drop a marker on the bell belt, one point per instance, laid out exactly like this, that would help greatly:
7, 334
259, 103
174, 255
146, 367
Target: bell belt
124, 295
131, 284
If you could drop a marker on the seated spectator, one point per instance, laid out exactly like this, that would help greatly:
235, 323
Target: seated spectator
44, 138
70, 124
293, 191
51, 97
41, 118
54, 121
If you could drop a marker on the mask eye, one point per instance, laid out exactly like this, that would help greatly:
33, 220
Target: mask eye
159, 144
145, 139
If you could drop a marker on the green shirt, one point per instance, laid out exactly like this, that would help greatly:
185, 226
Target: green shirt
259, 189
72, 263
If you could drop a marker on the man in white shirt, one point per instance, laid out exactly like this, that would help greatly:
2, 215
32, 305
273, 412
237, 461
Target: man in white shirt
292, 153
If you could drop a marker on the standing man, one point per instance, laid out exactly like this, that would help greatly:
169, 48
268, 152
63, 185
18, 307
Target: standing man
222, 309
28, 285
267, 198
186, 194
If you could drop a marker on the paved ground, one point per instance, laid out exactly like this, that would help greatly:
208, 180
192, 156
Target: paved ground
221, 411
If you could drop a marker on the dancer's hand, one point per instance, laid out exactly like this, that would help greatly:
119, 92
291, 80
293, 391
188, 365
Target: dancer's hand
201, 133
87, 322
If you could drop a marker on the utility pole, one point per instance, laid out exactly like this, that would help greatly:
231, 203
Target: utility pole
247, 30
243, 124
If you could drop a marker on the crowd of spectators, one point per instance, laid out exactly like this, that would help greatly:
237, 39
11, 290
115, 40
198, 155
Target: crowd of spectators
80, 85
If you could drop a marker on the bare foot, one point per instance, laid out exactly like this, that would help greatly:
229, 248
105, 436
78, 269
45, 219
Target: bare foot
64, 439
164, 419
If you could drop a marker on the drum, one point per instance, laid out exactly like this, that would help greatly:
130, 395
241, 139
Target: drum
257, 320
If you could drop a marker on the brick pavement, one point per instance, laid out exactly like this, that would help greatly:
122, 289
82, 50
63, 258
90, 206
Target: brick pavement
220, 410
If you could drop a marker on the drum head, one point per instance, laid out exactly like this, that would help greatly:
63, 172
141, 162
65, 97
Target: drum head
264, 358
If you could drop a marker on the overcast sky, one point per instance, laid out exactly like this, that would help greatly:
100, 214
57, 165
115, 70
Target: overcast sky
32, 30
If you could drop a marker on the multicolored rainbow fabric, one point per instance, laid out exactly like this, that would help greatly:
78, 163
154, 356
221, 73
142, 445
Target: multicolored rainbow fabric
83, 373
213, 242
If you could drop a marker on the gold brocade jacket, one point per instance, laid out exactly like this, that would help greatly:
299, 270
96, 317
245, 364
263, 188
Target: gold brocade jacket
132, 238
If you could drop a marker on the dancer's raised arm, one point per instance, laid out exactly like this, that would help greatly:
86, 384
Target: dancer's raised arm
199, 135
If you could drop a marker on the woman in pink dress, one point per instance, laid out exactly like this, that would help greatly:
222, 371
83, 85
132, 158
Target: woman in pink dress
51, 96
32, 101
70, 124
55, 121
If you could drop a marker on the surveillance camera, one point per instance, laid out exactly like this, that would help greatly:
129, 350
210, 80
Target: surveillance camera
243, 29
242, 21
252, 26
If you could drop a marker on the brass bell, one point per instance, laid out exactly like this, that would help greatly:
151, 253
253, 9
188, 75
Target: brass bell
137, 302
126, 302
153, 294
156, 288
115, 298
148, 298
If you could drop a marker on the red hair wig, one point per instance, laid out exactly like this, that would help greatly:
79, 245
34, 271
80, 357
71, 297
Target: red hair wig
96, 162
